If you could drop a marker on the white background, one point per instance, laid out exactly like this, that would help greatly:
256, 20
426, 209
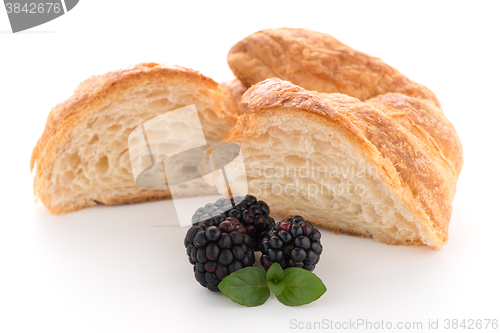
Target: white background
109, 269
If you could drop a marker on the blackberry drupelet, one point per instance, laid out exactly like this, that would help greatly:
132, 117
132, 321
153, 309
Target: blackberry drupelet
215, 251
293, 242
252, 213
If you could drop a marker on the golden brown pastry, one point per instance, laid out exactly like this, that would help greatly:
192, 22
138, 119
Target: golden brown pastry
235, 88
378, 156
82, 157
317, 61
348, 165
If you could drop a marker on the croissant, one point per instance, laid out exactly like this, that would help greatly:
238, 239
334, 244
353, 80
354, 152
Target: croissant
368, 152
317, 61
82, 156
235, 88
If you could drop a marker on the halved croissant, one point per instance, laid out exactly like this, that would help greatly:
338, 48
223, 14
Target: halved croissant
366, 127
345, 164
82, 157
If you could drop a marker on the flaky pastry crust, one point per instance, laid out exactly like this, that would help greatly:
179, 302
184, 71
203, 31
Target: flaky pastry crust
396, 123
317, 61
88, 99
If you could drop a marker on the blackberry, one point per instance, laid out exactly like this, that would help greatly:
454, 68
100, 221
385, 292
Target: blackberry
293, 242
253, 214
215, 251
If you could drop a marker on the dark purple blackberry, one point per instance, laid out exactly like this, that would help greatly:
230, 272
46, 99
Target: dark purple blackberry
293, 242
252, 213
217, 251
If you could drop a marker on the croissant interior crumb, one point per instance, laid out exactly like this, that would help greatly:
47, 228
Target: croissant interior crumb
290, 164
96, 158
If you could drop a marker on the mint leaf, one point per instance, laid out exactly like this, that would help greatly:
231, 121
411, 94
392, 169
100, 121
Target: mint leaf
246, 286
301, 287
275, 279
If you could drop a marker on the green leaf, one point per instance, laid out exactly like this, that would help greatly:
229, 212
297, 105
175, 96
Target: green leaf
246, 286
275, 279
301, 287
